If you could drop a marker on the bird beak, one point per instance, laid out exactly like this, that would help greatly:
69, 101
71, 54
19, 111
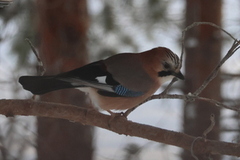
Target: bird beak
178, 75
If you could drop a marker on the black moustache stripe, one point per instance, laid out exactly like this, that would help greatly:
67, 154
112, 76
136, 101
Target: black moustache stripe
164, 73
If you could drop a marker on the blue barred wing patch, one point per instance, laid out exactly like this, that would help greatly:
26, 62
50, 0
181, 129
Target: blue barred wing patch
122, 91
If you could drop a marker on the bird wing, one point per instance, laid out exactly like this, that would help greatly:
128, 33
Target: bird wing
128, 70
89, 76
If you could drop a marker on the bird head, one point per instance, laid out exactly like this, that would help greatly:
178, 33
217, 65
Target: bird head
165, 63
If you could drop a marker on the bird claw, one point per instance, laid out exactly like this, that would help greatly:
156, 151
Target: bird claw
121, 114
114, 116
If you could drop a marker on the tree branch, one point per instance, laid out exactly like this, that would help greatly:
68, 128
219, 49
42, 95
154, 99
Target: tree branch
235, 46
232, 50
195, 95
119, 125
191, 97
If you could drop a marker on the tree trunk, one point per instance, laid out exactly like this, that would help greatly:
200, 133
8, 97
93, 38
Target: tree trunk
62, 27
203, 52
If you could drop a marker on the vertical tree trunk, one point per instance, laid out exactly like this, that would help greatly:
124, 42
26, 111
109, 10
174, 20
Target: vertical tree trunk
62, 30
203, 48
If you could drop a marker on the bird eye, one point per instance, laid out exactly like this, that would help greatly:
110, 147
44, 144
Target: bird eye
166, 65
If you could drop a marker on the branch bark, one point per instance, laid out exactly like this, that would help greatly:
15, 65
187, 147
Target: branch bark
119, 125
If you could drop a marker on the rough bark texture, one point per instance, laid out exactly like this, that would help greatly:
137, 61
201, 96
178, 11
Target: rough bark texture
62, 27
119, 125
203, 48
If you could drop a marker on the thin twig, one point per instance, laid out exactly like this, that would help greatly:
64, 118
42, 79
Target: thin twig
192, 153
169, 86
126, 113
197, 24
191, 97
33, 49
232, 50
5, 3
213, 74
209, 129
41, 69
207, 23
219, 104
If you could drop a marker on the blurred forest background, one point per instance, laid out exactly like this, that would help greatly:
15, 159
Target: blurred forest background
69, 34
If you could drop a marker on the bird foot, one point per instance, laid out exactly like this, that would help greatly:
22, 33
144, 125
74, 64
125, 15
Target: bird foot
114, 116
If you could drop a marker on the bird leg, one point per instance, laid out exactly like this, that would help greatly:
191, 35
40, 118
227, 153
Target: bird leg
125, 114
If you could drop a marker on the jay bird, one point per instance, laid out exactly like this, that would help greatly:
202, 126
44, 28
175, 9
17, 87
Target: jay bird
120, 82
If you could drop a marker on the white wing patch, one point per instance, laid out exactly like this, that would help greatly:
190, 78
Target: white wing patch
101, 79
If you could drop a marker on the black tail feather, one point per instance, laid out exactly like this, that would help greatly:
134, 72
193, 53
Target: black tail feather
43, 84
